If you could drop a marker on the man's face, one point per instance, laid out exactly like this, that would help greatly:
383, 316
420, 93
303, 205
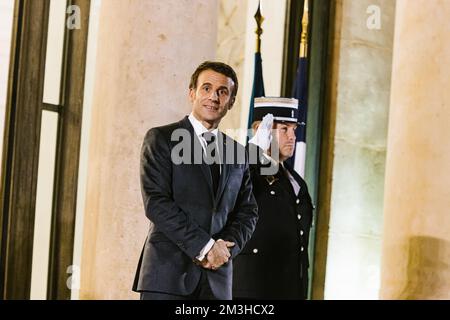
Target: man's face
212, 99
285, 135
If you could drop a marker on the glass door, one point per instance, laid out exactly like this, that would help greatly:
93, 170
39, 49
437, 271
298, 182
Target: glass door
41, 101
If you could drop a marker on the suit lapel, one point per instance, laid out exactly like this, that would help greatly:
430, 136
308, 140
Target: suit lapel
222, 143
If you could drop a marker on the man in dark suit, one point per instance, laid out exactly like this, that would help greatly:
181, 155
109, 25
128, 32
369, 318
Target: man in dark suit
197, 193
274, 263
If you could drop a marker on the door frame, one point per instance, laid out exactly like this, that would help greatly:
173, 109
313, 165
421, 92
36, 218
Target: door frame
21, 149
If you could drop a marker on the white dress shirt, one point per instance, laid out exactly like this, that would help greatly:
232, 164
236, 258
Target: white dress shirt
294, 182
199, 130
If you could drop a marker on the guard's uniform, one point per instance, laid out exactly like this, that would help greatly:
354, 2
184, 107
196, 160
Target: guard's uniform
274, 263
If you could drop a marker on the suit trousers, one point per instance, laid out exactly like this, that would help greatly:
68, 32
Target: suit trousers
202, 292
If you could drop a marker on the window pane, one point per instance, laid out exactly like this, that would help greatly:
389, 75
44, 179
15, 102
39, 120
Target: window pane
55, 44
6, 20
44, 199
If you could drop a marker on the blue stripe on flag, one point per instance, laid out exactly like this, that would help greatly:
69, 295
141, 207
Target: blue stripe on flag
300, 92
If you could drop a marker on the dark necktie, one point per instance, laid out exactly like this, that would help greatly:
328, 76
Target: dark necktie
212, 159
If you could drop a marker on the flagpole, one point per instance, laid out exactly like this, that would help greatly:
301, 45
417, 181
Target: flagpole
259, 31
303, 52
298, 161
258, 81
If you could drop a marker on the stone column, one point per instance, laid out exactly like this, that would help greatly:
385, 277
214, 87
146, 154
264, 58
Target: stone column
147, 51
416, 240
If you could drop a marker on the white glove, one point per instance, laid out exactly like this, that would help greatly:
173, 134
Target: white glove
263, 136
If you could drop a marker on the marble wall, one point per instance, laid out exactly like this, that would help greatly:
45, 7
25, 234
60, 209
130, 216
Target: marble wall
362, 70
231, 44
416, 240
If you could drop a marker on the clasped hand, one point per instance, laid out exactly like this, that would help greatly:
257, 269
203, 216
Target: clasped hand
218, 255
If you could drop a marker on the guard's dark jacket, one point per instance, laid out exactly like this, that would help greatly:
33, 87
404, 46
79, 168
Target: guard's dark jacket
274, 263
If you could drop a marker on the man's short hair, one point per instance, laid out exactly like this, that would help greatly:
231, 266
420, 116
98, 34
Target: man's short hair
219, 67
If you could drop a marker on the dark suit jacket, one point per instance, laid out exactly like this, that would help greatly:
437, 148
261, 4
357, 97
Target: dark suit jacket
180, 202
272, 265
